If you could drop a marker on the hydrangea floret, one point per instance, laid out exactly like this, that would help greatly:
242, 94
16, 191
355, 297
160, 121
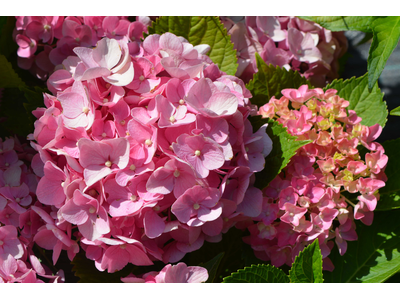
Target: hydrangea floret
327, 185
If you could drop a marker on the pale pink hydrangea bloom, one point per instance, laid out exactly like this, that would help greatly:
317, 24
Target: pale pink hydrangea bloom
150, 165
287, 42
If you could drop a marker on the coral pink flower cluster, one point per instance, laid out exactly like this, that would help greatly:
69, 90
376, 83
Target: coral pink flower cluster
44, 42
287, 42
19, 222
146, 152
326, 186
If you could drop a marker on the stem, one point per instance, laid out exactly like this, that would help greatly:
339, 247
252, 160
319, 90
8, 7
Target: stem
348, 201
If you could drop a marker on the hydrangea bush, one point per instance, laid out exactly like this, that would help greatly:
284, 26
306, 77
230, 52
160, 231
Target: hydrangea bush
158, 153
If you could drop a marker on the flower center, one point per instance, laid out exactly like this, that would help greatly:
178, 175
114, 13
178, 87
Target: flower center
46, 27
1, 243
105, 100
85, 110
172, 119
177, 173
133, 198
141, 78
32, 44
104, 134
148, 142
122, 122
123, 246
108, 164
92, 210
197, 152
196, 206
132, 167
181, 102
77, 39
18, 200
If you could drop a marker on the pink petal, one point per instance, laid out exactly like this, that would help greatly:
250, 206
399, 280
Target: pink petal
154, 225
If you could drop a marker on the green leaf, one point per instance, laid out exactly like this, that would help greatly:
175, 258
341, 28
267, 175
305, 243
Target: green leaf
337, 23
3, 20
386, 37
284, 146
7, 45
13, 114
307, 266
395, 111
202, 30
270, 81
258, 274
374, 257
390, 193
368, 105
33, 100
212, 266
8, 77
